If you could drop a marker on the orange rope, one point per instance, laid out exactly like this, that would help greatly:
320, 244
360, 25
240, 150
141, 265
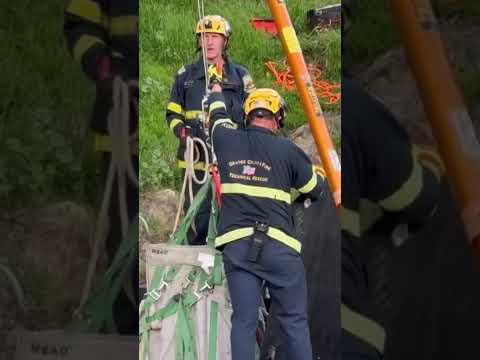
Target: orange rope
327, 91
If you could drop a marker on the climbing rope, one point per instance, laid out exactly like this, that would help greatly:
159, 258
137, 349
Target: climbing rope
201, 15
17, 288
121, 168
193, 152
327, 91
190, 175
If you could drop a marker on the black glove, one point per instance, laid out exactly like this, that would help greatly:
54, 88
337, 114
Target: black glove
182, 132
108, 68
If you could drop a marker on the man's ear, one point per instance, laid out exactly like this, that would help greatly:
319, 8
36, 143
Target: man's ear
225, 42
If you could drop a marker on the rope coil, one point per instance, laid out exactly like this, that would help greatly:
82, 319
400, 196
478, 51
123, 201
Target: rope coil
327, 91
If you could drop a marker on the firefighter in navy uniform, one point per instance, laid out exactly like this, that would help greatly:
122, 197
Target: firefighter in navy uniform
386, 180
255, 228
102, 35
185, 106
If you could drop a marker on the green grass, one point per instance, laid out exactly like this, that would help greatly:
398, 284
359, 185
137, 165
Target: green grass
44, 107
373, 30
167, 41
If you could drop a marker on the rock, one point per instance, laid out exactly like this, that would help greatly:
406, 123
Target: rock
49, 250
157, 211
303, 138
390, 80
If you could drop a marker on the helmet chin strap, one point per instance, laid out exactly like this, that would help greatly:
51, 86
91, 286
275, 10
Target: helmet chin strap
279, 118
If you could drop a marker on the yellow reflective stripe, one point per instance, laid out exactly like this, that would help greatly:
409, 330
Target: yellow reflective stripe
284, 238
233, 235
370, 213
274, 233
192, 114
86, 9
197, 166
103, 143
222, 122
258, 191
83, 44
320, 171
357, 223
363, 328
294, 194
123, 25
429, 158
175, 122
310, 185
407, 193
217, 105
350, 221
174, 107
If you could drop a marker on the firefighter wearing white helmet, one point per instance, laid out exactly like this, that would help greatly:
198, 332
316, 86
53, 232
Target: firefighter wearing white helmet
185, 106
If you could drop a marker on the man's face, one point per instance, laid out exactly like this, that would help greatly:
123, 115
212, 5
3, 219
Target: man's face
213, 45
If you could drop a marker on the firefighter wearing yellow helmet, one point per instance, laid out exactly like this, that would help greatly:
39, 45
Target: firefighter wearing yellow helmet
184, 109
104, 52
256, 234
265, 103
214, 24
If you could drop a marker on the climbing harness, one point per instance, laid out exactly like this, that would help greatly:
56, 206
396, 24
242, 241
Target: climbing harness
184, 283
195, 146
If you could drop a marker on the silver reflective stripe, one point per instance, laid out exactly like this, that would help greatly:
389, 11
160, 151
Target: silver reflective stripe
363, 328
370, 213
350, 221
408, 192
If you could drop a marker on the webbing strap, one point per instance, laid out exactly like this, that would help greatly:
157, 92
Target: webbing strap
213, 330
185, 346
99, 307
180, 236
146, 322
204, 282
161, 277
170, 275
217, 269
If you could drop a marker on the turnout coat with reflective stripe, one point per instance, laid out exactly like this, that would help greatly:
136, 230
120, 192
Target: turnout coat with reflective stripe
188, 90
94, 28
258, 170
382, 177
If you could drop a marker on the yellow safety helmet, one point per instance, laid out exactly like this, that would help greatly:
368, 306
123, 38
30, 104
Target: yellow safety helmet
266, 99
214, 24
